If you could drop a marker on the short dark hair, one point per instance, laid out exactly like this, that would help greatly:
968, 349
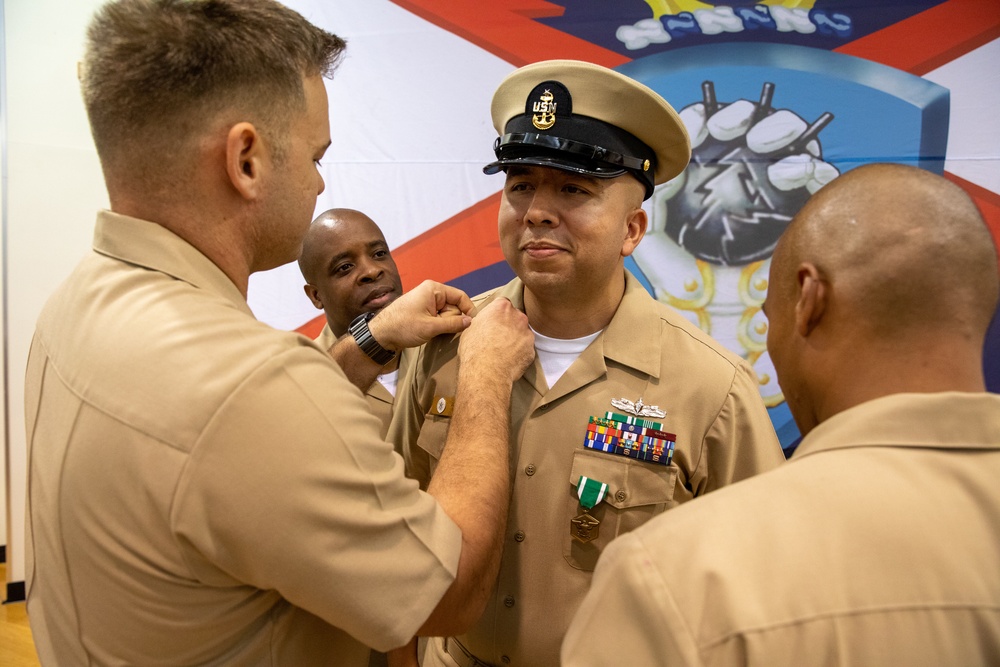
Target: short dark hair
154, 69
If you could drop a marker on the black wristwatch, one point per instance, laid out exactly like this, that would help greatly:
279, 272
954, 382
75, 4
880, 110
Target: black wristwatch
367, 342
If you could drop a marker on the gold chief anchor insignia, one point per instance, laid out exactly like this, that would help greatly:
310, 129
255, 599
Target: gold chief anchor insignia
639, 409
545, 111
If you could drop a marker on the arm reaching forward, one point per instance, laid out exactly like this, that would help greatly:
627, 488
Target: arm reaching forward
413, 319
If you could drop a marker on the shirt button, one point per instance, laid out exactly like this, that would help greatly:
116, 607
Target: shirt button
519, 536
620, 496
529, 469
508, 601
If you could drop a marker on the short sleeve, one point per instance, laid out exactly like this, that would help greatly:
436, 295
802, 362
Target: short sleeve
741, 441
629, 616
291, 489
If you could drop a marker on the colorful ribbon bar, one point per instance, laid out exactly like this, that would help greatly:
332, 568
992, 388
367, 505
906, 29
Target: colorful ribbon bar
634, 421
599, 425
640, 443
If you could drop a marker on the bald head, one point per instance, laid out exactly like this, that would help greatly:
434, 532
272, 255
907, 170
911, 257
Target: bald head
885, 282
908, 250
347, 267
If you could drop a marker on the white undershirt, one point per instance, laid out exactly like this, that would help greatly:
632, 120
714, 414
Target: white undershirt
558, 354
389, 381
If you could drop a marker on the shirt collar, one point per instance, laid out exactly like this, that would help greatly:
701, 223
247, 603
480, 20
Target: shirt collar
946, 420
154, 247
635, 320
632, 338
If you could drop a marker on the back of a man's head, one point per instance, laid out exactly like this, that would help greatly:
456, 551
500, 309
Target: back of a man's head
885, 282
911, 247
157, 72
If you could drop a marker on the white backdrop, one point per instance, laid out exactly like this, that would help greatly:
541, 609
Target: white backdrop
54, 186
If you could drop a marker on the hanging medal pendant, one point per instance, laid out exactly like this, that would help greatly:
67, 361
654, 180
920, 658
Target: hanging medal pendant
584, 528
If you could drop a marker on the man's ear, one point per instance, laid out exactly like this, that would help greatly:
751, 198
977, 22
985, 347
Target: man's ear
244, 159
812, 301
313, 295
635, 229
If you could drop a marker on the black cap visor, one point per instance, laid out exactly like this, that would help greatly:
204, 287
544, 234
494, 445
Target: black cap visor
587, 146
548, 151
554, 161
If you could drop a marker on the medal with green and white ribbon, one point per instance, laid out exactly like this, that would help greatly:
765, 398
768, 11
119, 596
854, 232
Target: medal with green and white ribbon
585, 528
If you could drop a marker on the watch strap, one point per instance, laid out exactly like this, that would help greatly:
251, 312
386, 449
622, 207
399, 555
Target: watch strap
359, 330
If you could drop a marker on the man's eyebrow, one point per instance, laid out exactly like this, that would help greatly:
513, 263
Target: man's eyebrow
592, 180
336, 259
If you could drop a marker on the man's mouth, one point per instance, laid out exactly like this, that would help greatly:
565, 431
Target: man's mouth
379, 298
538, 250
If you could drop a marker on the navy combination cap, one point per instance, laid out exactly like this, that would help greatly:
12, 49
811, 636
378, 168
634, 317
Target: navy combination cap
588, 119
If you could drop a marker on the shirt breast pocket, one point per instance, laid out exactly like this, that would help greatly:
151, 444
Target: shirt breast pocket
424, 458
637, 492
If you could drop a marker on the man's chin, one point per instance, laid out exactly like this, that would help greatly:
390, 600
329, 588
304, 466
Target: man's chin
542, 280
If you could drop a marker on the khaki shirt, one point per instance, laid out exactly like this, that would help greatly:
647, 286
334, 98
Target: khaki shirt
380, 401
877, 544
648, 351
204, 489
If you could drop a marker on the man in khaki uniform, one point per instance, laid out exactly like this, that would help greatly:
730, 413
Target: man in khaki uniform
877, 543
349, 271
629, 410
204, 489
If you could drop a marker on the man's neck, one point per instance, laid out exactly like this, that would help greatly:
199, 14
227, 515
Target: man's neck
209, 236
951, 366
575, 315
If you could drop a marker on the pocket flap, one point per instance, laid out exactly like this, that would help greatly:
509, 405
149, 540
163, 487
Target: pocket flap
433, 435
631, 483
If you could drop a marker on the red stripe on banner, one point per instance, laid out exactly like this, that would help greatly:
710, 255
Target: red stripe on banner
508, 30
988, 203
932, 38
454, 248
313, 327
450, 250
